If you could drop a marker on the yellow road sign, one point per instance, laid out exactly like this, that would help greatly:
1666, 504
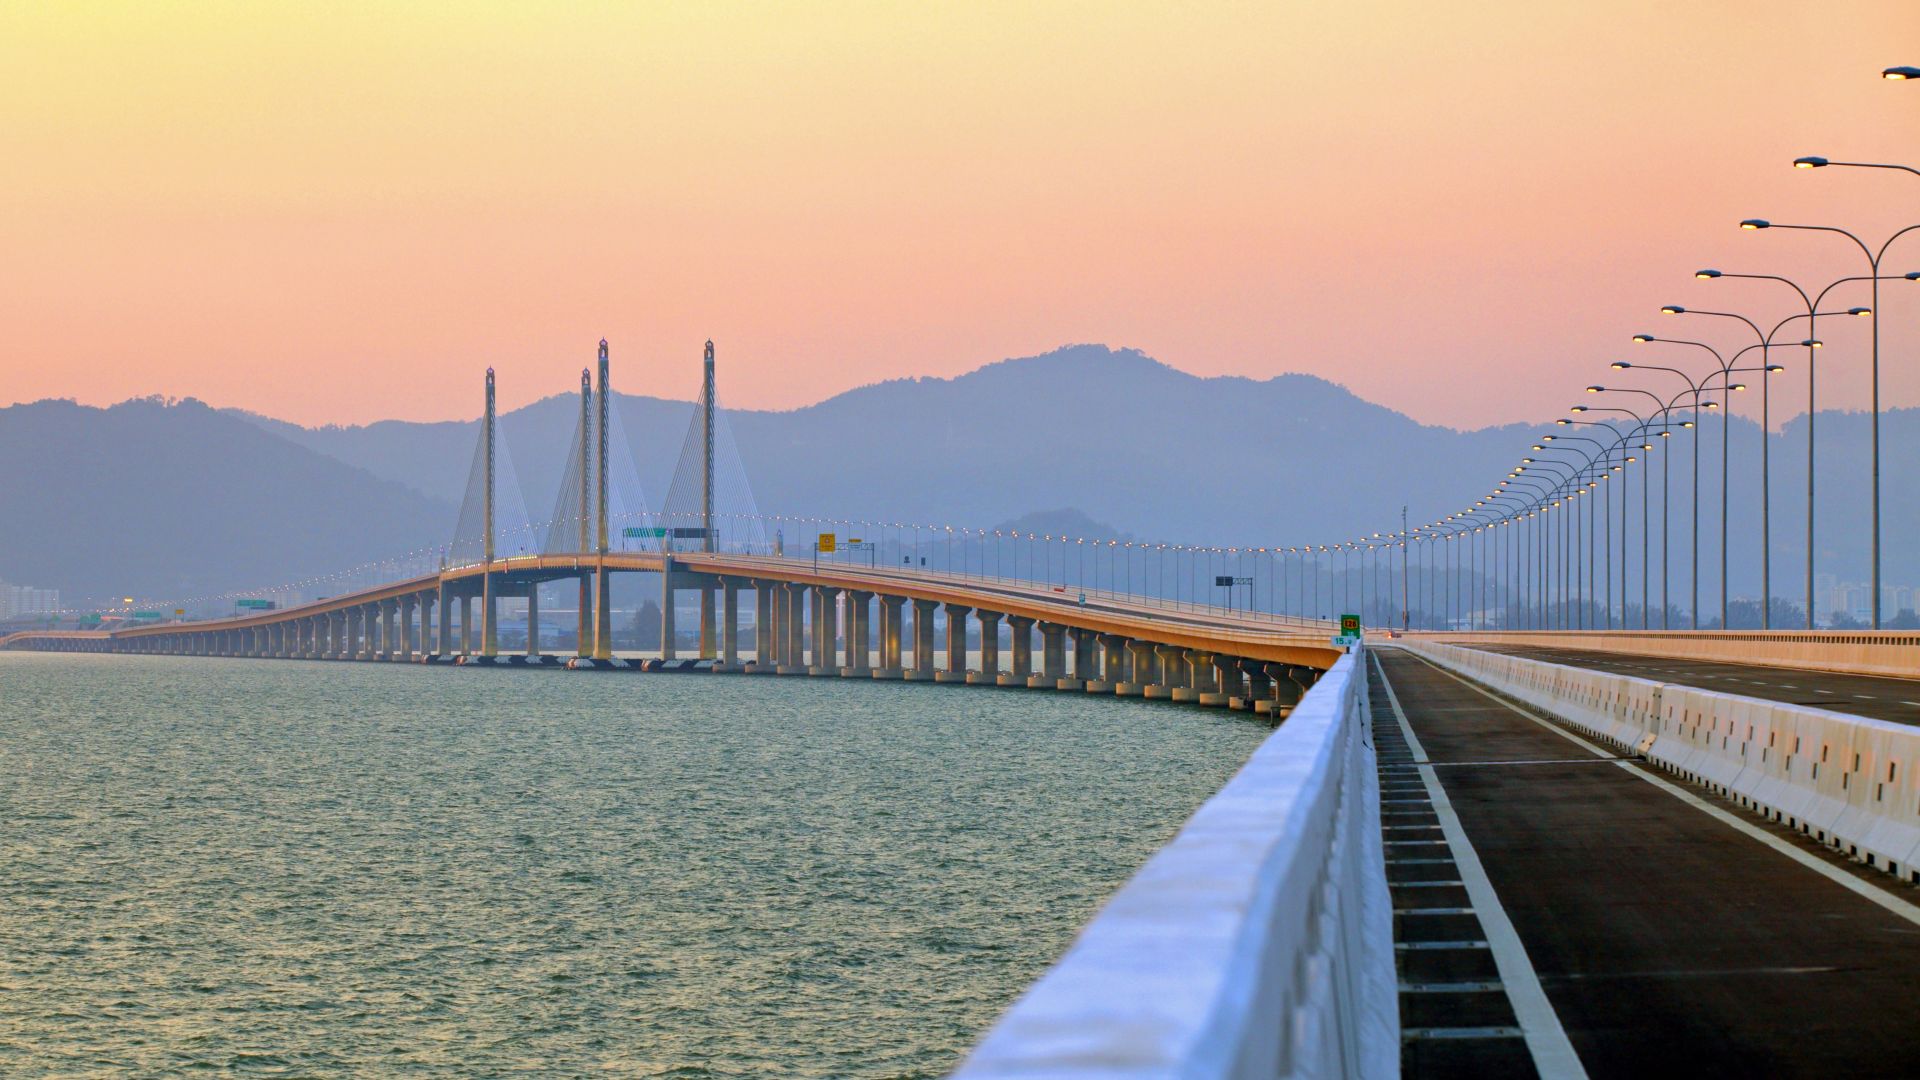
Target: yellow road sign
828, 543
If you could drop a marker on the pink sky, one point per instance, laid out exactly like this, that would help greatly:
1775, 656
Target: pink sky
344, 213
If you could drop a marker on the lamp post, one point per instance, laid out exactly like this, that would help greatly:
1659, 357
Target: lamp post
1810, 343
1873, 263
1646, 500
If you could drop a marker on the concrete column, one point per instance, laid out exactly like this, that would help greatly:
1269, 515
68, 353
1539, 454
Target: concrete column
793, 657
763, 627
729, 625
707, 651
1140, 669
956, 670
922, 641
1172, 667
443, 640
826, 634
1259, 686
892, 616
1086, 666
490, 616
1286, 693
1022, 629
583, 636
1198, 668
533, 618
469, 630
1224, 682
1053, 656
389, 609
667, 634
369, 629
859, 663
342, 635
989, 673
407, 604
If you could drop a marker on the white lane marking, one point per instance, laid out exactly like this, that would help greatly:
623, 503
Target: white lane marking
1915, 704
1553, 1055
1905, 910
1864, 697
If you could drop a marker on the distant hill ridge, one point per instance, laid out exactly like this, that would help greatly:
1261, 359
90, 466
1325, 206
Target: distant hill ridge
170, 499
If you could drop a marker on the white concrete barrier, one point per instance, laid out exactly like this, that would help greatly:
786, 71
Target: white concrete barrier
1848, 781
1858, 652
1258, 943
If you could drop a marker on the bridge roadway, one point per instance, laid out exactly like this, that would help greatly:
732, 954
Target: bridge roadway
1122, 644
1559, 908
1877, 696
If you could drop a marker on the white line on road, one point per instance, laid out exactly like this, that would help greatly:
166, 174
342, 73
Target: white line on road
1553, 1055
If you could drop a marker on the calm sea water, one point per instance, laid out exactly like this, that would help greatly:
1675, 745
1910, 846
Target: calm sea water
316, 869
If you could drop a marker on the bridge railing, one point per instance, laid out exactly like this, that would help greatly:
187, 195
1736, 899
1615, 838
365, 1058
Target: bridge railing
1258, 943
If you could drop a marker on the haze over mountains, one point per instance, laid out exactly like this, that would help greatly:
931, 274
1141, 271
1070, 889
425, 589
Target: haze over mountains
155, 500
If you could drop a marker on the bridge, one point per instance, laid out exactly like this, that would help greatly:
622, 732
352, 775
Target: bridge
1467, 851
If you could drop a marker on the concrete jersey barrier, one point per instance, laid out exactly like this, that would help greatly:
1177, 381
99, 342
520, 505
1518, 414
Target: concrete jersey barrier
1848, 781
1258, 943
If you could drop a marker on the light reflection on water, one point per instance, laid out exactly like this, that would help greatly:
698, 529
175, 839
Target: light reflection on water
293, 868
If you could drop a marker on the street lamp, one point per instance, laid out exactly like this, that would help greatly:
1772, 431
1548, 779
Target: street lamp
1873, 271
1901, 74
1811, 343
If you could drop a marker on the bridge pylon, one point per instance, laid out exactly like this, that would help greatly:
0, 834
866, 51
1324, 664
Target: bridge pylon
603, 593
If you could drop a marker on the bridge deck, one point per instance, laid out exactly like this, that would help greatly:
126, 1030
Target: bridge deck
1874, 696
1671, 934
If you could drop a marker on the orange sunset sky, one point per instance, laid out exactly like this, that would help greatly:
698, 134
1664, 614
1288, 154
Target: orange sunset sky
342, 212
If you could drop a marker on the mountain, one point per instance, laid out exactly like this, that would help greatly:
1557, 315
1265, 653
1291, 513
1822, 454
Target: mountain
172, 499
152, 498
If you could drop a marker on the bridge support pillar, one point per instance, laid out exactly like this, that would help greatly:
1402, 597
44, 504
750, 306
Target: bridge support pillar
1258, 688
583, 636
989, 673
407, 604
826, 631
1113, 665
1203, 688
1140, 670
1021, 630
763, 662
1084, 664
859, 663
729, 625
707, 651
892, 616
1053, 656
389, 609
1172, 671
469, 632
922, 641
956, 669
668, 646
442, 639
793, 624
533, 618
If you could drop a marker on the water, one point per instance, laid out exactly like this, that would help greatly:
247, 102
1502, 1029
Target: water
318, 869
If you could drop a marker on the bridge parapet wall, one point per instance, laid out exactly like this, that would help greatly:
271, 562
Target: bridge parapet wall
1258, 943
1857, 652
1851, 782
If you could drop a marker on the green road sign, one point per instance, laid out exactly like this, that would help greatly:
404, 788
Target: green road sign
146, 614
1349, 626
655, 532
255, 605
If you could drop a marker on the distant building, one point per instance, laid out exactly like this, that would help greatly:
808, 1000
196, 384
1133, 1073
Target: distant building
17, 600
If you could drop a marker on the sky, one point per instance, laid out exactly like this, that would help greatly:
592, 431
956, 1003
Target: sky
341, 212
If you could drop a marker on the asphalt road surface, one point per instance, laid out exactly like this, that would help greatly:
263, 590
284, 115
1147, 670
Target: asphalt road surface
1862, 695
1562, 911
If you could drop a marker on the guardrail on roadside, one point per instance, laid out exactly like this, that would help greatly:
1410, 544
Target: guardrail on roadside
1848, 781
1258, 943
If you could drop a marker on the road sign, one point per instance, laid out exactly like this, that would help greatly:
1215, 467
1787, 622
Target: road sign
146, 615
1349, 626
179, 611
638, 531
855, 540
1224, 581
689, 532
829, 543
1346, 640
254, 605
